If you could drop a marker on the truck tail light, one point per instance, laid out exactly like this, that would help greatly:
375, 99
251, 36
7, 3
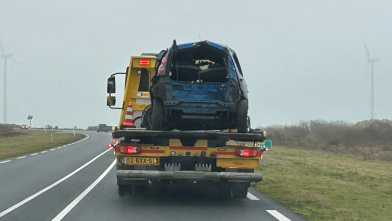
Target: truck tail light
130, 149
246, 152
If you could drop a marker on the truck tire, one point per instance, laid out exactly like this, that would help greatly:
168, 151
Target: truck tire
242, 116
157, 114
239, 191
122, 190
224, 191
147, 118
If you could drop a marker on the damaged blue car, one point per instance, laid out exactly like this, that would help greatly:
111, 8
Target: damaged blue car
199, 86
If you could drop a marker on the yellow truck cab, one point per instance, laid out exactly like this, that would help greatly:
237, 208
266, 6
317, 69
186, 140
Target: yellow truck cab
136, 92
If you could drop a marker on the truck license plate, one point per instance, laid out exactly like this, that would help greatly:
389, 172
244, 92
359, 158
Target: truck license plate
140, 160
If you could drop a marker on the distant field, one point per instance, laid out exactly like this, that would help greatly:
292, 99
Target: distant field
325, 186
30, 141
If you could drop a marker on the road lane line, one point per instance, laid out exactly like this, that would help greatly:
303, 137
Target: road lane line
44, 151
59, 147
21, 157
51, 149
5, 161
252, 197
277, 215
70, 206
33, 154
12, 208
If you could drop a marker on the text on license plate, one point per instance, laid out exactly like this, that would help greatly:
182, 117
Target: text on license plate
140, 160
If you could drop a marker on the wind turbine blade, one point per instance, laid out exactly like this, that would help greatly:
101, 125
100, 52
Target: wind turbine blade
15, 60
367, 51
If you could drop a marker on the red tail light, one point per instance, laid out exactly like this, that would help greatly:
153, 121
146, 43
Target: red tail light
246, 152
130, 149
110, 145
144, 62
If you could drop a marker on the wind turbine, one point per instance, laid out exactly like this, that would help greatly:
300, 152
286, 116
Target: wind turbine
371, 64
5, 56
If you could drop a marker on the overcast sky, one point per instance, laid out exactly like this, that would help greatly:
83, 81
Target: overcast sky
302, 59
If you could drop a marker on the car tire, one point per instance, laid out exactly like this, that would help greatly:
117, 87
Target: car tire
242, 116
157, 114
147, 118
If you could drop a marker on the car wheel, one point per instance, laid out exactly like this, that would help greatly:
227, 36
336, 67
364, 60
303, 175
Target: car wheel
147, 118
242, 116
157, 114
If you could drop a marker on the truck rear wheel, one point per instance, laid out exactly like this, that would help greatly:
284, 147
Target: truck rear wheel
239, 191
157, 114
242, 116
122, 190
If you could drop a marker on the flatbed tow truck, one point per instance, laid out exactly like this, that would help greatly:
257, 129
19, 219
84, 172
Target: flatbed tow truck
218, 163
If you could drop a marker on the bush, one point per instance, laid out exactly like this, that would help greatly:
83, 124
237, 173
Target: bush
6, 128
371, 139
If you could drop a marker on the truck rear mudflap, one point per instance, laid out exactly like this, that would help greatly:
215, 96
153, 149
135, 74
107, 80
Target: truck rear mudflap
191, 175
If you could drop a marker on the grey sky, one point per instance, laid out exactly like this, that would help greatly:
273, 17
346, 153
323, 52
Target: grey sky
302, 59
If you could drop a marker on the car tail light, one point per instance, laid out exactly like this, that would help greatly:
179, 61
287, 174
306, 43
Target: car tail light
130, 149
161, 70
144, 62
246, 152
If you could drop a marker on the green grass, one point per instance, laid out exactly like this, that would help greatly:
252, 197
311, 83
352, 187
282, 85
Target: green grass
324, 186
32, 141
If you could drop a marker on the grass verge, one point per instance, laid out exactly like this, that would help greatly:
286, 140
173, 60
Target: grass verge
25, 142
323, 186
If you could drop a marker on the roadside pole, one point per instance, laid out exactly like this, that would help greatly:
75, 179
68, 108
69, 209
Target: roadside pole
51, 137
74, 132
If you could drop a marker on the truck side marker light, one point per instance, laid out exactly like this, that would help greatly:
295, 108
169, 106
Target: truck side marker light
144, 62
129, 116
173, 153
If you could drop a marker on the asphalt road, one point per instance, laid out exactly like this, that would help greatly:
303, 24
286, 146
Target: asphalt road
77, 182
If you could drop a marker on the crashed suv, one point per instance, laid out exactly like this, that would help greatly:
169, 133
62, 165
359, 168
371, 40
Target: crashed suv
199, 86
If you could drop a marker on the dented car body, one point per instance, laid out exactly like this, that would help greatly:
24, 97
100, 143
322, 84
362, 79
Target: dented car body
199, 86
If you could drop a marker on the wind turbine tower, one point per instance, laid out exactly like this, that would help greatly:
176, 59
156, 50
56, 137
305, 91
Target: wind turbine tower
371, 64
5, 57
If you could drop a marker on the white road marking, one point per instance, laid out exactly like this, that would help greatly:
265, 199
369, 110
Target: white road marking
64, 145
21, 157
12, 208
52, 149
277, 215
59, 147
66, 210
252, 197
44, 151
33, 154
5, 161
